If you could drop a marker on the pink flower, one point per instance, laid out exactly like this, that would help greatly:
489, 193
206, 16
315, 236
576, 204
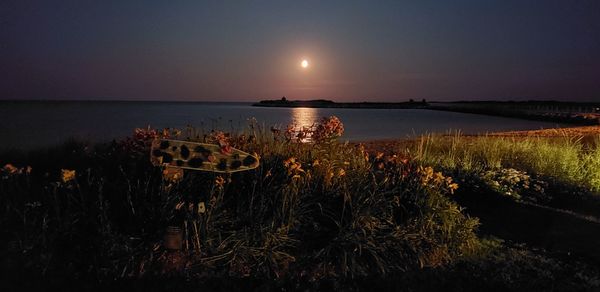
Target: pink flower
328, 128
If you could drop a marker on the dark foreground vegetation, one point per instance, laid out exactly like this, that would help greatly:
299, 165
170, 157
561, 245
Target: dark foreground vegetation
316, 214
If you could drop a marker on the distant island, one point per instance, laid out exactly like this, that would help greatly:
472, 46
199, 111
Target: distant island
324, 103
583, 113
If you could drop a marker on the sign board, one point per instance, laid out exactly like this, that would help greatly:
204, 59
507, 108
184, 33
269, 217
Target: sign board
200, 156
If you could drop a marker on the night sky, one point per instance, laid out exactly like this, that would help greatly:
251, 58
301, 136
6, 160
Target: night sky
251, 50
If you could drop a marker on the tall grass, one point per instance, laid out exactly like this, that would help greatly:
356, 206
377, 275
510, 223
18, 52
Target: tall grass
566, 159
309, 211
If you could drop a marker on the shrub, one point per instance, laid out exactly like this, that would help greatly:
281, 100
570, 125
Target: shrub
310, 211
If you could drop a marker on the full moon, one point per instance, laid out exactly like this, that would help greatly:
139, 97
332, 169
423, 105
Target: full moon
304, 63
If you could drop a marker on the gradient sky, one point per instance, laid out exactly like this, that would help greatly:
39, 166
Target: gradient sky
250, 50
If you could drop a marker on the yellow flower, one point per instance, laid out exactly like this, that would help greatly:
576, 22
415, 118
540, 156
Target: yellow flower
438, 178
341, 172
67, 175
328, 176
453, 187
293, 167
172, 174
289, 161
426, 174
220, 181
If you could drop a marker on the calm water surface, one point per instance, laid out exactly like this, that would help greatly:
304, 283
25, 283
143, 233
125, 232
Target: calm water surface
38, 124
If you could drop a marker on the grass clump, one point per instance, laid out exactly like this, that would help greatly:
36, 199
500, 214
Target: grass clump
567, 160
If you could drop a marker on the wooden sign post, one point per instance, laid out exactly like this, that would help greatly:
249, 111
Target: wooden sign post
200, 156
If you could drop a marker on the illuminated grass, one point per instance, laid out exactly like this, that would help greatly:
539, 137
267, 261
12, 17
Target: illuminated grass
565, 159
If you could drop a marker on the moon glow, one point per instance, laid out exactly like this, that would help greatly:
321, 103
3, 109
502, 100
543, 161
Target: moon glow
304, 63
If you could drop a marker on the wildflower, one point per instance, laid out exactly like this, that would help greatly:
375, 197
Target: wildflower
328, 128
219, 181
67, 175
328, 176
145, 134
361, 148
219, 137
289, 161
293, 166
226, 149
10, 169
426, 174
438, 178
289, 132
223, 140
172, 174
452, 187
165, 132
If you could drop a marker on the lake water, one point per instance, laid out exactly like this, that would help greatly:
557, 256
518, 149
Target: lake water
38, 124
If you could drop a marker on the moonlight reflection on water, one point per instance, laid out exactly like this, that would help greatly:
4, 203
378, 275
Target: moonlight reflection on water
56, 122
304, 118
